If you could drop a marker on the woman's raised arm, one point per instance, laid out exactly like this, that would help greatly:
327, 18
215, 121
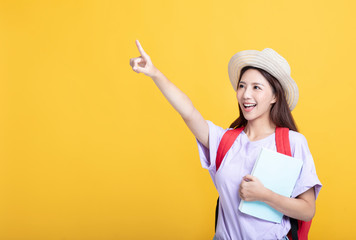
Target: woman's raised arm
180, 101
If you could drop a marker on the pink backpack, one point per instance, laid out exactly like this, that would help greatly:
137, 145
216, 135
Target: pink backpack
299, 229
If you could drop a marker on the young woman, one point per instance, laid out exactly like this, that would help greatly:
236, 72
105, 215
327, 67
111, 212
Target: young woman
266, 95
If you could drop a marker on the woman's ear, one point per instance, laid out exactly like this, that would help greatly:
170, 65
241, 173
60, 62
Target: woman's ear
274, 99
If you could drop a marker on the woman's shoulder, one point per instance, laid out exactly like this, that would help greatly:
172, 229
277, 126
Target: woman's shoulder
297, 138
298, 142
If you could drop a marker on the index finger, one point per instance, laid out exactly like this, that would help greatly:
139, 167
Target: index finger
248, 178
140, 49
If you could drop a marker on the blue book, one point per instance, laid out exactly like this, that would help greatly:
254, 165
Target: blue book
277, 172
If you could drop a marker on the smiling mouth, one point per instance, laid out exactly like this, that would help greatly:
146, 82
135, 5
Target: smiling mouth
249, 106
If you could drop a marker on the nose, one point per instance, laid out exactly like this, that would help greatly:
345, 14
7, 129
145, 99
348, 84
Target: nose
246, 93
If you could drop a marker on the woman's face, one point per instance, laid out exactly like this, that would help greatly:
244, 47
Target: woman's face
255, 95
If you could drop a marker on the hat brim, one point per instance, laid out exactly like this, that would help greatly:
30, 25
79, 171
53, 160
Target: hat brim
258, 59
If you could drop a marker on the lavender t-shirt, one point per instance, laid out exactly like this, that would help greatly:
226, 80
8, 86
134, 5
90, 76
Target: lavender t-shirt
238, 162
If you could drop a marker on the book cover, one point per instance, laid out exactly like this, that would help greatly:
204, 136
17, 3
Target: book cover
277, 172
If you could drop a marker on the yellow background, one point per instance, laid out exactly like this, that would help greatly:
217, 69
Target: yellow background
89, 149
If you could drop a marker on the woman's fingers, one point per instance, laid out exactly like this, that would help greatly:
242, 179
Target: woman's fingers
249, 178
139, 65
136, 63
143, 64
132, 62
240, 190
140, 49
241, 194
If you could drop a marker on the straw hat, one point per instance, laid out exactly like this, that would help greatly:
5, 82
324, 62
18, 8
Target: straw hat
270, 61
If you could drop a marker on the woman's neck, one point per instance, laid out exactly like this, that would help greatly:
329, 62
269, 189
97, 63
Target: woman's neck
256, 130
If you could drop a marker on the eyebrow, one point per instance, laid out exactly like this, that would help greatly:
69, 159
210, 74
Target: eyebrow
255, 83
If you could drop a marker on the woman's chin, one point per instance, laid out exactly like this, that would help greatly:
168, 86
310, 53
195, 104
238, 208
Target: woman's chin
248, 117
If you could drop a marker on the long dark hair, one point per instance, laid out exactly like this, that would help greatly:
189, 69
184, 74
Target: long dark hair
280, 113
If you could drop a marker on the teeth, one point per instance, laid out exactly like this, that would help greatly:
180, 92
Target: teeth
249, 105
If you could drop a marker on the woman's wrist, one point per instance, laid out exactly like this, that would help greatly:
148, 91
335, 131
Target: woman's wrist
267, 195
155, 73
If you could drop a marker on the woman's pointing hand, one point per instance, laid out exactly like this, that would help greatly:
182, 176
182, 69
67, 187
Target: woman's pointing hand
143, 64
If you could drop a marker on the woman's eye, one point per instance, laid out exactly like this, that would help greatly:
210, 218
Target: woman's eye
257, 87
241, 85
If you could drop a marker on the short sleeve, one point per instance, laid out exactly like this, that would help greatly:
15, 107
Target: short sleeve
208, 155
308, 177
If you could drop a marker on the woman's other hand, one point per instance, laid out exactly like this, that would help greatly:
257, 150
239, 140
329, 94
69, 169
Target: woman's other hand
251, 189
143, 64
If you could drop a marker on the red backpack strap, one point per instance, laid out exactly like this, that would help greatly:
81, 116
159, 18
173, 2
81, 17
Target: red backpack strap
282, 141
283, 146
303, 229
226, 142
